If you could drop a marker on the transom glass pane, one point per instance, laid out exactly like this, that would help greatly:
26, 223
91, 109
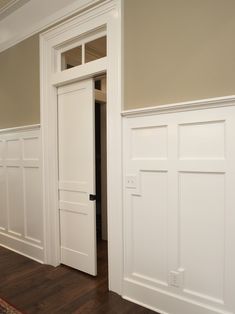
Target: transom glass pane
71, 58
95, 49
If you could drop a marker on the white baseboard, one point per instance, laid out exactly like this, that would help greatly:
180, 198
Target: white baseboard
163, 302
22, 247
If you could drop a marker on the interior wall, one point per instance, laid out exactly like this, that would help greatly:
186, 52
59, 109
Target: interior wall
19, 84
177, 51
173, 52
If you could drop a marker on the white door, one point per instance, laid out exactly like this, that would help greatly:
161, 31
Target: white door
76, 132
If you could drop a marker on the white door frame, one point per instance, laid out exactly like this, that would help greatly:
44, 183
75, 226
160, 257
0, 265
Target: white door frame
107, 14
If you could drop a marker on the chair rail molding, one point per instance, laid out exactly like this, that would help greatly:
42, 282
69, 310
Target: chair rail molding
200, 104
20, 129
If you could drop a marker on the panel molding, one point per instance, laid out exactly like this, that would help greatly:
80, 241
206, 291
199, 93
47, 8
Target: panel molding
21, 218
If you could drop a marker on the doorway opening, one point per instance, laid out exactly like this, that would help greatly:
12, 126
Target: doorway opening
101, 174
101, 158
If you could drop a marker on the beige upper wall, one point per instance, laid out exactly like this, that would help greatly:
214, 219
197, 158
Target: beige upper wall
19, 84
173, 51
178, 50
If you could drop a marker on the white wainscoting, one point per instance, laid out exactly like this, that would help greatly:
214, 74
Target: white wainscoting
179, 209
21, 210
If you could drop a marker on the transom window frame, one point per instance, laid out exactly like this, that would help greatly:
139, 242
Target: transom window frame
82, 40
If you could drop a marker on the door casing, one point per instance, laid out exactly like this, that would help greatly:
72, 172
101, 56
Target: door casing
106, 14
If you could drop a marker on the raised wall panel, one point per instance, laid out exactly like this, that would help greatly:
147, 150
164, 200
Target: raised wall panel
149, 142
2, 144
13, 149
33, 204
3, 203
202, 233
31, 148
202, 140
15, 200
149, 225
21, 210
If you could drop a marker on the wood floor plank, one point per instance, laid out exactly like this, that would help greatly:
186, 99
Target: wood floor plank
42, 289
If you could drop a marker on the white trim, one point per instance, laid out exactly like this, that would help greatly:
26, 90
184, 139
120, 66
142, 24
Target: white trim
84, 40
20, 128
144, 305
182, 106
47, 22
107, 13
21, 253
155, 297
82, 72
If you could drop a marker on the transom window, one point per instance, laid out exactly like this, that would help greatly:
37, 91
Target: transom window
85, 50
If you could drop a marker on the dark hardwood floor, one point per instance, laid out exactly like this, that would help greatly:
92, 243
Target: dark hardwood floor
35, 288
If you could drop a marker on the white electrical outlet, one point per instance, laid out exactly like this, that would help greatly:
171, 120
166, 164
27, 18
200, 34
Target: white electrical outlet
131, 182
176, 278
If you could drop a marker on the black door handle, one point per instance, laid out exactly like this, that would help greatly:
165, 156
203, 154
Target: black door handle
92, 197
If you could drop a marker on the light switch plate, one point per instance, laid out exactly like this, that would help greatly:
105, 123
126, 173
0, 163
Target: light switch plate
131, 182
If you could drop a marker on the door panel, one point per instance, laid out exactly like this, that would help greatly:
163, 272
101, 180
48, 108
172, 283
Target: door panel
77, 175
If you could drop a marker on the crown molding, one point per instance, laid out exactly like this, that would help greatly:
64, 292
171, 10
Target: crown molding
182, 106
11, 7
33, 18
